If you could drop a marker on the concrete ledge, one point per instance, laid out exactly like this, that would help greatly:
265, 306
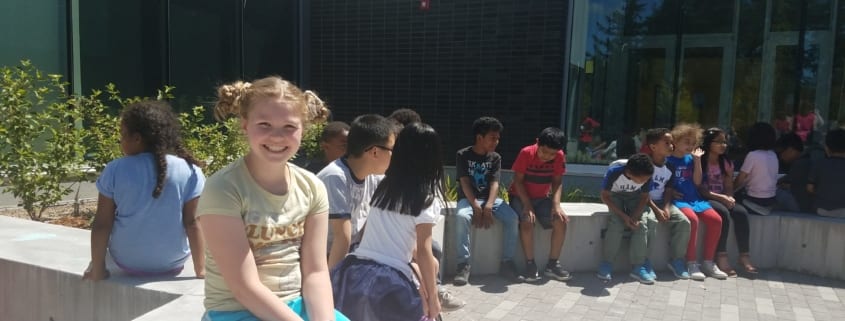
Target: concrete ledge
799, 242
41, 269
43, 265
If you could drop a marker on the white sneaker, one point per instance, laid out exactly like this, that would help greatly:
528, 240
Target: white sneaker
695, 272
713, 271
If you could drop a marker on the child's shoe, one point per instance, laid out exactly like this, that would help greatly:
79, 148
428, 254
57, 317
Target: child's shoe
650, 269
713, 271
531, 274
449, 302
555, 271
678, 268
462, 276
695, 272
640, 273
605, 268
508, 270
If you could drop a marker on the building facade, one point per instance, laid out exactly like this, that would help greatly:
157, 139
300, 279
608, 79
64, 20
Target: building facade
604, 70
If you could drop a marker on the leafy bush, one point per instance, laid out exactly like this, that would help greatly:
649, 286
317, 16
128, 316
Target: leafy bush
41, 137
311, 141
48, 137
451, 186
216, 143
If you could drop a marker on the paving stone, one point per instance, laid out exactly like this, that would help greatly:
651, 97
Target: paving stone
780, 296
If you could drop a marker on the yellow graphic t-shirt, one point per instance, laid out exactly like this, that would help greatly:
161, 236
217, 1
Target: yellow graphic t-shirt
274, 224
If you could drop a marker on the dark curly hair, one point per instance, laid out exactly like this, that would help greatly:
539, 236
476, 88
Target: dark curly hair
160, 133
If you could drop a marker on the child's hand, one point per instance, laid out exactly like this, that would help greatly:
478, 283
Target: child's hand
95, 274
662, 216
529, 214
199, 272
696, 154
477, 216
729, 202
558, 213
432, 307
487, 215
632, 224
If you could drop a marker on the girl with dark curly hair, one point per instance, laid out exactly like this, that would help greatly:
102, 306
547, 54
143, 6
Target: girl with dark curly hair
148, 198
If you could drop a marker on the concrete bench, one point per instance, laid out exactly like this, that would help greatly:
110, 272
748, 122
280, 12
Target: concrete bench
799, 242
41, 268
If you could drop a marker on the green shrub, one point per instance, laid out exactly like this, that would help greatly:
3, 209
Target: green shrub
41, 137
215, 143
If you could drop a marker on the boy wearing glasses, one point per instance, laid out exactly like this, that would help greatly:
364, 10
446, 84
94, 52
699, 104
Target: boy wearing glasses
352, 179
478, 168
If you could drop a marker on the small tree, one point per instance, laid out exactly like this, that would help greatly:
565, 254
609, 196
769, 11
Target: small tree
41, 137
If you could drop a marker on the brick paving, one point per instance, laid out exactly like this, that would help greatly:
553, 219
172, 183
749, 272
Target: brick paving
772, 295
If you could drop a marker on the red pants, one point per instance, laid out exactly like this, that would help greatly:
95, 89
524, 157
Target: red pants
713, 229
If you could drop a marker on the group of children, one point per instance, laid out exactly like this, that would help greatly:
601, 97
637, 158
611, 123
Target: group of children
274, 241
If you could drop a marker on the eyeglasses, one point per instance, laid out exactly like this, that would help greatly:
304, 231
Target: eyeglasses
721, 142
382, 147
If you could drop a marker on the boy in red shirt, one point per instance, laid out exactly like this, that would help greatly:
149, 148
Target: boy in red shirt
535, 196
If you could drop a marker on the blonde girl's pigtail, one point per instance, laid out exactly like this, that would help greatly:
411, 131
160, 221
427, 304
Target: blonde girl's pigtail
229, 99
317, 111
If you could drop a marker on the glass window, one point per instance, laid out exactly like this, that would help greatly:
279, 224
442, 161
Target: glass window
700, 85
786, 15
708, 16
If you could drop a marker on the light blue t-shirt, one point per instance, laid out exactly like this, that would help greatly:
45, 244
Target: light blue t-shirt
148, 234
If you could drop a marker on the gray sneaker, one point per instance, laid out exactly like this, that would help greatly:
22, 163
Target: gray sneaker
555, 271
508, 270
462, 276
449, 302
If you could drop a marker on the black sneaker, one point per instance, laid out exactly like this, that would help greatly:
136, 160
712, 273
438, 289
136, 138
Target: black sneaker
508, 270
462, 276
555, 271
531, 274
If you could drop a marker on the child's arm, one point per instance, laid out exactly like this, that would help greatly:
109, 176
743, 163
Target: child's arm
605, 197
557, 187
638, 212
697, 172
658, 212
316, 287
527, 206
227, 243
341, 237
195, 240
100, 233
487, 210
428, 270
469, 194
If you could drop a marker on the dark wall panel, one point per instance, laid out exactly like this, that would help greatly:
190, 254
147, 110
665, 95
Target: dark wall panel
458, 61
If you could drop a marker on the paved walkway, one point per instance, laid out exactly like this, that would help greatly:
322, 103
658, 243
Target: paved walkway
773, 295
87, 190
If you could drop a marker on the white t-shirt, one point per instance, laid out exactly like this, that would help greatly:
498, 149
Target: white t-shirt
761, 166
391, 237
661, 177
348, 197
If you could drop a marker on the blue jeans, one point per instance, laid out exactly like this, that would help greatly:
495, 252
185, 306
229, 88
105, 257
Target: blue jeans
297, 305
501, 211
